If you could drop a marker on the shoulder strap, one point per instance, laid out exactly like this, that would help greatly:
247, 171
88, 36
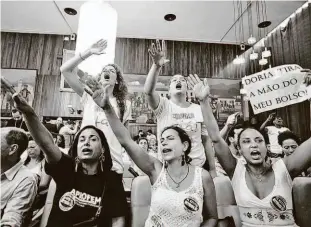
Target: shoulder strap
99, 209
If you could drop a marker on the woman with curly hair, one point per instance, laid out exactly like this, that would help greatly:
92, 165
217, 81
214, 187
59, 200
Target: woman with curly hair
92, 114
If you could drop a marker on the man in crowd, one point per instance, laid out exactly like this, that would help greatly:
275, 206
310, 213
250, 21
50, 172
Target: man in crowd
69, 130
17, 120
274, 131
151, 136
18, 184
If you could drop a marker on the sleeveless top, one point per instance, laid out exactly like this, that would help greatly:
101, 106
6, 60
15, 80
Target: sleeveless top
274, 210
176, 209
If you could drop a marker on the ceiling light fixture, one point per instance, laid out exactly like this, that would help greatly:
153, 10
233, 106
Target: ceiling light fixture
70, 11
266, 53
253, 55
264, 24
170, 17
263, 61
251, 40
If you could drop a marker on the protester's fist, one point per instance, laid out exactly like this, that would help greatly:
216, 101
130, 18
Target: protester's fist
158, 53
99, 47
307, 79
21, 104
200, 89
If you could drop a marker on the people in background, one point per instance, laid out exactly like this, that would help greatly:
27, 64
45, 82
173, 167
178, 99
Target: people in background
16, 120
150, 136
177, 111
180, 191
18, 183
54, 127
59, 124
144, 144
87, 193
92, 114
289, 143
69, 130
59, 140
254, 122
141, 134
273, 132
35, 162
263, 191
232, 140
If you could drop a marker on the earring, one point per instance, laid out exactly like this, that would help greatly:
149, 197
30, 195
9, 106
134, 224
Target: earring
101, 160
77, 161
165, 164
183, 160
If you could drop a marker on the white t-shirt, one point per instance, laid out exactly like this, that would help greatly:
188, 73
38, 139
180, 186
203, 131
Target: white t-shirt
273, 133
190, 119
94, 115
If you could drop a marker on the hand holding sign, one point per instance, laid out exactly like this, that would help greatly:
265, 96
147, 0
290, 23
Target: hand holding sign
307, 78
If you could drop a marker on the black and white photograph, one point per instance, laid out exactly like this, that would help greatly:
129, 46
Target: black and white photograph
155, 113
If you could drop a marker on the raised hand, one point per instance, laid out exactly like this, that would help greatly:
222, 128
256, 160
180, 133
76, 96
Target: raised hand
100, 96
21, 104
99, 47
271, 117
158, 53
307, 79
231, 120
200, 89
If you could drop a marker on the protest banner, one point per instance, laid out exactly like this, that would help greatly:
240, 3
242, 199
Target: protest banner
276, 87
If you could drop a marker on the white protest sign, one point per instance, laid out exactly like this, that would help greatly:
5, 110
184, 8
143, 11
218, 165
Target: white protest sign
276, 87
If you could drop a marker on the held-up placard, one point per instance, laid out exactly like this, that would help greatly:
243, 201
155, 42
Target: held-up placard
276, 87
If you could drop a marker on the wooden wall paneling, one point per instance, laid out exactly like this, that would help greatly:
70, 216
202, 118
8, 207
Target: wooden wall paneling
168, 69
39, 88
195, 59
45, 68
306, 44
16, 47
205, 60
36, 51
7, 46
181, 58
136, 57
3, 45
119, 53
57, 55
21, 51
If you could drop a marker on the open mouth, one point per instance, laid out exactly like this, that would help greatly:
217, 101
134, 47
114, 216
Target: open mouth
107, 76
164, 151
178, 86
255, 155
86, 151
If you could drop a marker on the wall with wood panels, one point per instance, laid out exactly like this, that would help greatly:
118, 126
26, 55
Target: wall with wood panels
44, 53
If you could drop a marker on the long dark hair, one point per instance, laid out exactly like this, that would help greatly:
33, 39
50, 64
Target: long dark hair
119, 90
41, 155
107, 164
184, 137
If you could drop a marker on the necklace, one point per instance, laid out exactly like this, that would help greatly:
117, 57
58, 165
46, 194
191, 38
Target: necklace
178, 183
257, 176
